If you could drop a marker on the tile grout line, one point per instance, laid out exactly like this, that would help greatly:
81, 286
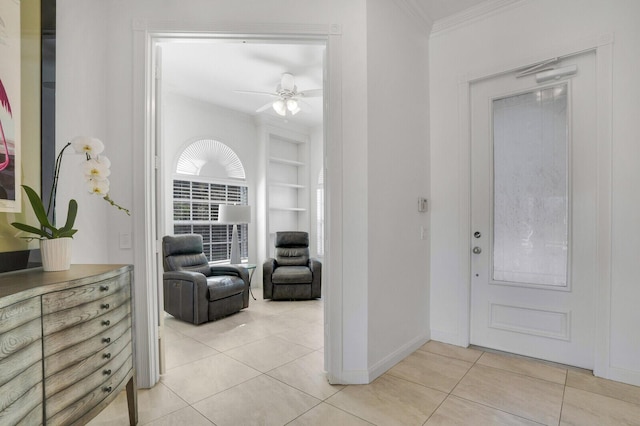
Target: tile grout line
449, 394
564, 391
479, 403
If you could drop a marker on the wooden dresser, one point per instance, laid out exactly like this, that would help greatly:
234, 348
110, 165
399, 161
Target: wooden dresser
66, 344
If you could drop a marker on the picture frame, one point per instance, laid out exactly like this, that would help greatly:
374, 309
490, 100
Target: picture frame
10, 107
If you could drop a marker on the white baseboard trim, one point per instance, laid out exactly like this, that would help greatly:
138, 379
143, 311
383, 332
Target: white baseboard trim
395, 357
623, 375
446, 337
350, 377
364, 377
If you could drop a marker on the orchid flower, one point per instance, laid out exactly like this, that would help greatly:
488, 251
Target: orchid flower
98, 186
87, 145
95, 170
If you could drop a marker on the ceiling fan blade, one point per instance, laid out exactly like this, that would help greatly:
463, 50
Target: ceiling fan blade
249, 92
310, 93
265, 107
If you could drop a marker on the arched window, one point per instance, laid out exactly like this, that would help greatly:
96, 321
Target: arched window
209, 173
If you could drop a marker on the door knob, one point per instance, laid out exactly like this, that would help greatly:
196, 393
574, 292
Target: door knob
477, 250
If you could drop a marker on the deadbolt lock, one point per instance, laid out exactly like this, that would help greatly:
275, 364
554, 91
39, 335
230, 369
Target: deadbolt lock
477, 234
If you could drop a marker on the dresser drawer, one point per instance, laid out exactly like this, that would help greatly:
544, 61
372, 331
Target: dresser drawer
73, 402
20, 395
34, 417
65, 299
13, 366
19, 313
68, 357
101, 360
60, 320
16, 339
56, 342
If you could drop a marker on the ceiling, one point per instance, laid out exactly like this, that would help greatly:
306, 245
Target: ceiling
440, 9
213, 70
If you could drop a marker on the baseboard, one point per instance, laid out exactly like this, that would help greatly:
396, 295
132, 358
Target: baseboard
446, 337
630, 377
350, 377
363, 377
395, 357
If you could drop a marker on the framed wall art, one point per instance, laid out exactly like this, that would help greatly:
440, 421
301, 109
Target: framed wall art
10, 106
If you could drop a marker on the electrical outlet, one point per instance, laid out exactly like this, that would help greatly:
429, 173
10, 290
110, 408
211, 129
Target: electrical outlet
422, 205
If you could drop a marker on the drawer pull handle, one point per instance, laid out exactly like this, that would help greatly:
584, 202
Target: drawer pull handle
106, 323
107, 355
107, 389
106, 340
105, 306
106, 372
104, 288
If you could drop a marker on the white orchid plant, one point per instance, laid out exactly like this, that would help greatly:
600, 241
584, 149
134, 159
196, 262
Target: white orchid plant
96, 172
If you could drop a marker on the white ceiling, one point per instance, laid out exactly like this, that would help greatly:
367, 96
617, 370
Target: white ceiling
213, 70
439, 9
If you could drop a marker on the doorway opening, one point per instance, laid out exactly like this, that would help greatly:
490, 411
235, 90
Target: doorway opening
225, 88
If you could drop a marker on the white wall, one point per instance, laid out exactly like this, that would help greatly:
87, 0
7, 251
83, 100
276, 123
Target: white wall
397, 171
520, 34
96, 86
86, 114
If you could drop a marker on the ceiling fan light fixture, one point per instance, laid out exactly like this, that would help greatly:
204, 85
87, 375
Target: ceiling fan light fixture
287, 82
292, 106
279, 107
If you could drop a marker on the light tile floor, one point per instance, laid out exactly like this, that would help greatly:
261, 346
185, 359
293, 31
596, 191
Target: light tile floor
264, 366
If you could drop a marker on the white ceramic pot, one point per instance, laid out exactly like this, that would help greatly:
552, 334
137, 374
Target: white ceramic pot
56, 254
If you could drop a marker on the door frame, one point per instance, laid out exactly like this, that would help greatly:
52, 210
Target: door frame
603, 47
145, 35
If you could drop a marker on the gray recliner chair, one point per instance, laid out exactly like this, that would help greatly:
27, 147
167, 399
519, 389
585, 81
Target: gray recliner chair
291, 274
195, 291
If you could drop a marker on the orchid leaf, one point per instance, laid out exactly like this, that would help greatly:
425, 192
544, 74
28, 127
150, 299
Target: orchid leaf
30, 229
38, 206
71, 216
67, 233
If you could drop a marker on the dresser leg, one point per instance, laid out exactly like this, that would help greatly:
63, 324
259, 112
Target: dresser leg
132, 400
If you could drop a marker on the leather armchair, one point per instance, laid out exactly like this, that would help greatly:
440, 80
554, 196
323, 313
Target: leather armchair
291, 274
195, 291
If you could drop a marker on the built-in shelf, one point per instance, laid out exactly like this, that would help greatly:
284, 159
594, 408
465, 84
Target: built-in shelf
287, 177
288, 209
287, 185
286, 161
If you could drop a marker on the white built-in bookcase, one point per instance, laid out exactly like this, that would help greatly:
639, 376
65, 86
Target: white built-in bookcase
287, 176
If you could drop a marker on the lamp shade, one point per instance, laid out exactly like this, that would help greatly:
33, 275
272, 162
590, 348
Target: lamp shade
280, 107
230, 214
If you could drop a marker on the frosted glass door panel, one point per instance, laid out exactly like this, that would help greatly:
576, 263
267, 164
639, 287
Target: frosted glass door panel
530, 201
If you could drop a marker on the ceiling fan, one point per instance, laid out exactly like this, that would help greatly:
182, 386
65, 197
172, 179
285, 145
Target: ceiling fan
288, 98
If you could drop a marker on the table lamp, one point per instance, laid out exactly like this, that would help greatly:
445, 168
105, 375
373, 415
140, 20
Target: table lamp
234, 215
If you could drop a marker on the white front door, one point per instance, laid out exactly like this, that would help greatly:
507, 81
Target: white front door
533, 201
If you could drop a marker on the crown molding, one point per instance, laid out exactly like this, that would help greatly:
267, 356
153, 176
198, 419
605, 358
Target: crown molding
417, 14
472, 14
